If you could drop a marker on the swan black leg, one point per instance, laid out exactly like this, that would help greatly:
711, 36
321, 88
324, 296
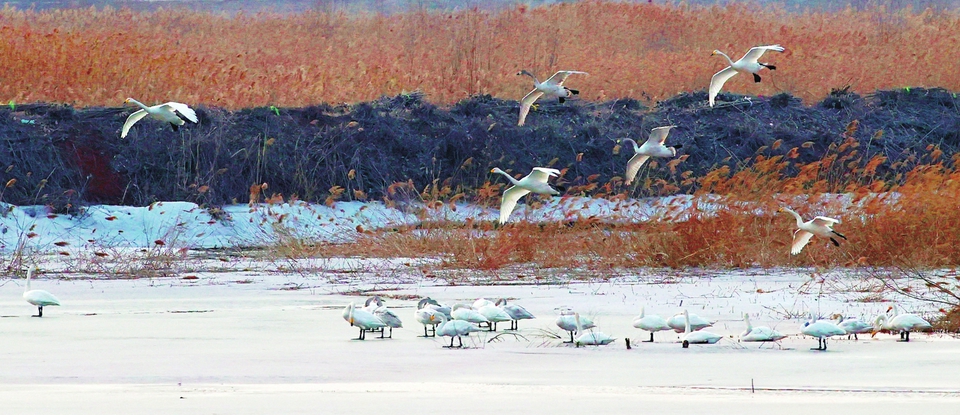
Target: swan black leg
363, 334
839, 234
571, 338
756, 78
824, 344
39, 311
460, 342
175, 127
651, 338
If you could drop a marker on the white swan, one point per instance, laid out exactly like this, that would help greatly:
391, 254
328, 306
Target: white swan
748, 63
39, 298
696, 337
362, 319
903, 323
169, 112
821, 329
535, 182
653, 147
652, 323
516, 313
821, 226
391, 319
854, 326
679, 321
760, 333
454, 329
434, 304
428, 317
552, 87
465, 313
567, 321
480, 303
494, 315
590, 338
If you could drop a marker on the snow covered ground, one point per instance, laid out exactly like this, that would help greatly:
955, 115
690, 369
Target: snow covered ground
253, 342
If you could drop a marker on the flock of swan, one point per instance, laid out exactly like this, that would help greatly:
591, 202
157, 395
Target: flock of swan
462, 319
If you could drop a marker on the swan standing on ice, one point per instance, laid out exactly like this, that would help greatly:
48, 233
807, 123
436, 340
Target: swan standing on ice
821, 226
391, 319
571, 322
535, 182
363, 319
516, 313
39, 298
427, 316
552, 87
653, 147
748, 64
854, 326
760, 333
821, 329
454, 328
652, 323
494, 315
904, 323
170, 112
590, 338
696, 337
678, 322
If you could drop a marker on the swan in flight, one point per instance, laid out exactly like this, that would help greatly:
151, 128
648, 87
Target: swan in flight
465, 313
392, 320
516, 313
39, 298
652, 323
760, 333
748, 64
571, 322
821, 329
904, 323
854, 326
678, 322
428, 317
590, 338
552, 87
171, 112
654, 147
493, 314
454, 329
696, 337
363, 319
821, 226
535, 182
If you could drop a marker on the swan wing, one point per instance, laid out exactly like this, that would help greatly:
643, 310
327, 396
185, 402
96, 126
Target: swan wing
183, 109
633, 166
658, 135
718, 80
756, 52
542, 174
560, 76
526, 103
509, 201
800, 239
131, 120
825, 221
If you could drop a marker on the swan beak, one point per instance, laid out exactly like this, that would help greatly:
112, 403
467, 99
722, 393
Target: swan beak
714, 53
780, 210
493, 170
432, 317
351, 321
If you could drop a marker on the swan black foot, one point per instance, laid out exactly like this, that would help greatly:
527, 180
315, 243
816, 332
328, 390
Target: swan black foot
839, 234
678, 146
768, 66
562, 100
904, 336
363, 335
175, 127
756, 78
39, 312
574, 91
835, 243
651, 338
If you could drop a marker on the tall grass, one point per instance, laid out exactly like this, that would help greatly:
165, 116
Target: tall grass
91, 57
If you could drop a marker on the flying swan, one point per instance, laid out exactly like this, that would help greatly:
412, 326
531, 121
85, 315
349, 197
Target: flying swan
748, 63
654, 147
552, 87
821, 226
170, 112
39, 298
535, 182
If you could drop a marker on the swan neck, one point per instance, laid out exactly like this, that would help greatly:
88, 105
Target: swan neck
795, 215
642, 315
686, 318
535, 80
139, 104
730, 61
509, 177
576, 317
746, 318
29, 274
636, 147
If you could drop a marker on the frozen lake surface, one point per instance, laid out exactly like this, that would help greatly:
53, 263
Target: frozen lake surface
269, 342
